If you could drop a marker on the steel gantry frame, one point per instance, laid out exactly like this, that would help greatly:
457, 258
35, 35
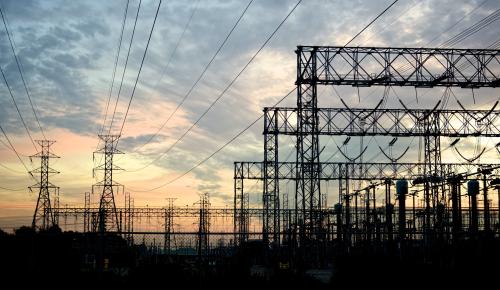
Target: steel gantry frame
392, 66
429, 123
254, 170
335, 171
365, 66
388, 122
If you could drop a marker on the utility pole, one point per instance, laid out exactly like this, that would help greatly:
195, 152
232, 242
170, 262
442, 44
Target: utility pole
44, 216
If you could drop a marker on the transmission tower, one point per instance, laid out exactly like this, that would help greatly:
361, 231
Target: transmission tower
44, 216
108, 216
128, 226
169, 225
203, 225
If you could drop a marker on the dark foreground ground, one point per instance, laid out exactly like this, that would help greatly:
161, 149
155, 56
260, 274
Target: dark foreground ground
68, 260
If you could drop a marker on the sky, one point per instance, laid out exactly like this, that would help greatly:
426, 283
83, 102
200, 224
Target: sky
68, 50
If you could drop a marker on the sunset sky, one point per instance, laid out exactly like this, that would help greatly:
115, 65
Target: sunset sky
68, 50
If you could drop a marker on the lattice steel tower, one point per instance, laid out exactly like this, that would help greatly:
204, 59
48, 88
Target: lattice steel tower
308, 192
44, 215
108, 216
169, 225
204, 225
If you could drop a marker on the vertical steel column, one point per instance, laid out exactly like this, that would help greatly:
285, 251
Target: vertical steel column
86, 214
455, 209
347, 219
496, 184
376, 220
308, 170
368, 234
432, 172
356, 216
271, 216
414, 215
240, 218
486, 209
56, 205
388, 209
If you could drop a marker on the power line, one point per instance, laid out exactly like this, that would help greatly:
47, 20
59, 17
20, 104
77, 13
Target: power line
412, 6
231, 140
351, 40
406, 67
460, 20
5, 145
140, 68
10, 169
21, 73
113, 74
486, 21
219, 149
260, 117
15, 151
464, 34
199, 77
125, 66
225, 89
371, 22
120, 40
8, 147
17, 108
179, 40
11, 189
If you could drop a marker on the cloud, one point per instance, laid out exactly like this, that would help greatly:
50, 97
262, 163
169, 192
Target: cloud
68, 51
130, 143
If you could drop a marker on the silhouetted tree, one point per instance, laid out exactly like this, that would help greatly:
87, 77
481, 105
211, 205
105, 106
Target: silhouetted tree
25, 231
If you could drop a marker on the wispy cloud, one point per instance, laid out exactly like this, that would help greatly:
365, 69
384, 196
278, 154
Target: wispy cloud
68, 50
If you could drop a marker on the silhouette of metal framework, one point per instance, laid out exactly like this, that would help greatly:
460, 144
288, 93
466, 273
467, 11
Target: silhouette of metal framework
338, 171
203, 241
391, 66
308, 226
365, 66
387, 122
241, 222
169, 225
108, 218
44, 217
252, 170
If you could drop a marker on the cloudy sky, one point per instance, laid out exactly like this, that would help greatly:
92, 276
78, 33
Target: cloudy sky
68, 50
